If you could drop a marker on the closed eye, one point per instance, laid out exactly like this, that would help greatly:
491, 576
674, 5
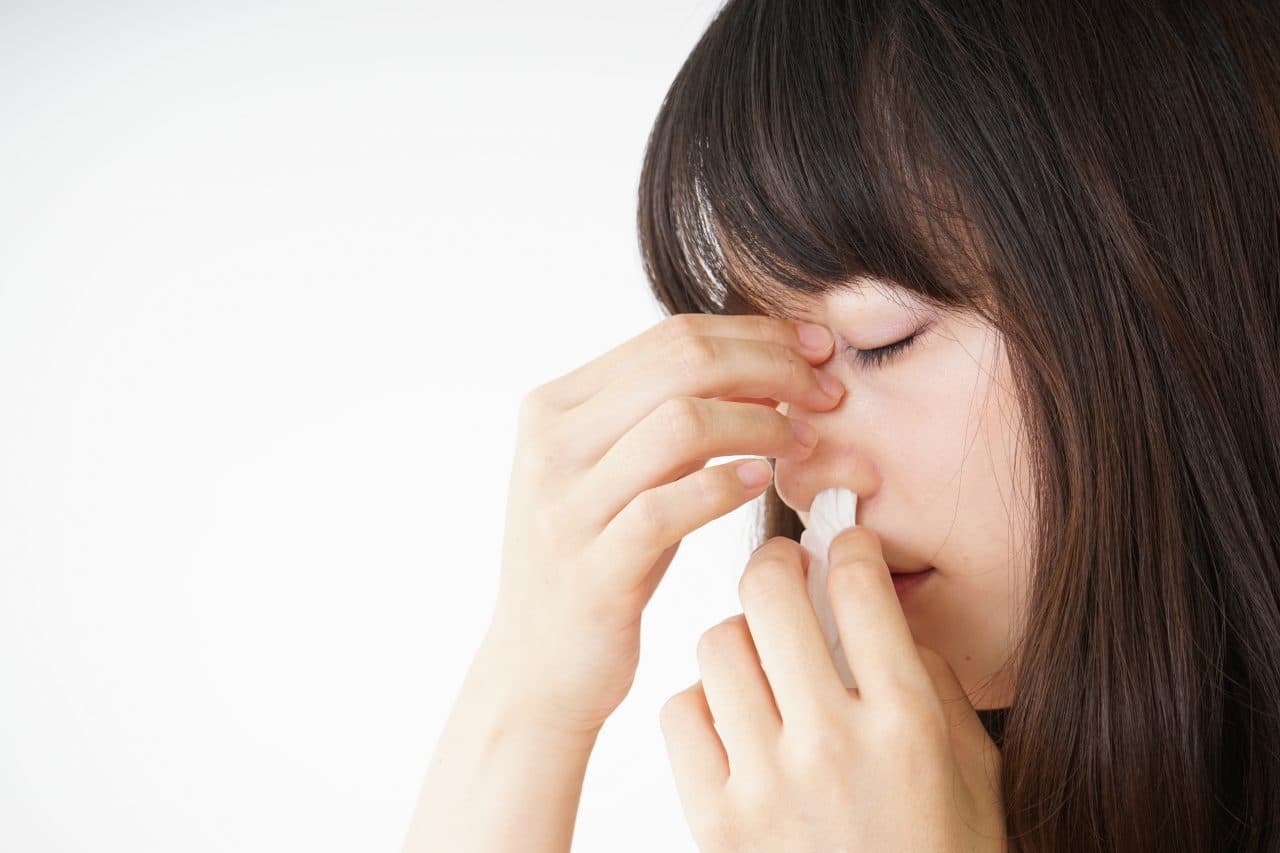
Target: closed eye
878, 356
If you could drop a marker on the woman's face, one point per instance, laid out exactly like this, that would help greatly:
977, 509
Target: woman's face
929, 440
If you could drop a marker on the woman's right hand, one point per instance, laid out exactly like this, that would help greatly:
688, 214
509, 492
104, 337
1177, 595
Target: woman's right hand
609, 475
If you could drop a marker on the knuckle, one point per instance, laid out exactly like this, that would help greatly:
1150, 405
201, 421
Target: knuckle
853, 543
533, 406
720, 641
678, 326
668, 714
675, 707
774, 548
651, 518
916, 688
767, 328
766, 578
718, 491
683, 420
902, 720
753, 796
538, 430
890, 723
708, 646
849, 577
694, 355
825, 743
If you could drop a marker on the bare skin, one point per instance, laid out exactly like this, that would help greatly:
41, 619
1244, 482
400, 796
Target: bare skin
610, 474
932, 441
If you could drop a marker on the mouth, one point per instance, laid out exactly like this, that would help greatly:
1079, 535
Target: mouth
899, 571
905, 580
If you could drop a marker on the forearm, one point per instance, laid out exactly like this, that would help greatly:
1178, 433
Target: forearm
498, 780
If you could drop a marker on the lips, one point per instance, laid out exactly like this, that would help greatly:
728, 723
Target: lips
905, 582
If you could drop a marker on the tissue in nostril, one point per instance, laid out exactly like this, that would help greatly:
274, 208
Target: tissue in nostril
833, 510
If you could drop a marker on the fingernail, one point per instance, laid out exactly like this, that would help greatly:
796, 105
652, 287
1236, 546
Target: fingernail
757, 472
805, 433
830, 384
814, 337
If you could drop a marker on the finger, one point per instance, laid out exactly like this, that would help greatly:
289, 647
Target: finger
873, 629
588, 380
738, 694
701, 366
656, 518
681, 434
788, 639
698, 760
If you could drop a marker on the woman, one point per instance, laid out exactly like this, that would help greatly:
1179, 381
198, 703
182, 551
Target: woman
1040, 244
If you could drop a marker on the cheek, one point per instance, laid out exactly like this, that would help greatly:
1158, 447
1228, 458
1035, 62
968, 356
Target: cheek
1004, 489
940, 428
961, 441
973, 507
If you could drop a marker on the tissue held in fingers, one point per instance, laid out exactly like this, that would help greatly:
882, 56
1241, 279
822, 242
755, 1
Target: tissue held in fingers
832, 511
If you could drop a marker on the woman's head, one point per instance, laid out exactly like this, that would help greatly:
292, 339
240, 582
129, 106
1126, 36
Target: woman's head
1080, 206
929, 436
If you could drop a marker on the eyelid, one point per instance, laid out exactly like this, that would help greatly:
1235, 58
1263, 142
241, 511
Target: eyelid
877, 356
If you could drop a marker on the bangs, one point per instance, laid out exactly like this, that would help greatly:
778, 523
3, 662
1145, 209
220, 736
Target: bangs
792, 158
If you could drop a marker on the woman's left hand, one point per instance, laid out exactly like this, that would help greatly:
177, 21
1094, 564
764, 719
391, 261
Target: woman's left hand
802, 763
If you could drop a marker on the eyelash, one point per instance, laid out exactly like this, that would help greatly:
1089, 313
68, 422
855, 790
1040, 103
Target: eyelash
877, 357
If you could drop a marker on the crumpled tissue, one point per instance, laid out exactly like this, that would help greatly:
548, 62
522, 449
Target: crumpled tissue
832, 511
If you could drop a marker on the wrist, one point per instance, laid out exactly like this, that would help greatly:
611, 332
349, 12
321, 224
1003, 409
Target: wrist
514, 704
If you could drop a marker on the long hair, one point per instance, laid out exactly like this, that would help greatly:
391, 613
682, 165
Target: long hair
1099, 181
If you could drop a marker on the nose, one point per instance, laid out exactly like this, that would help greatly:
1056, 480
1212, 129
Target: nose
836, 460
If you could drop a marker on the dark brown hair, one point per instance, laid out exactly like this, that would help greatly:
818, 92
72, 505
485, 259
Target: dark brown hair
1099, 181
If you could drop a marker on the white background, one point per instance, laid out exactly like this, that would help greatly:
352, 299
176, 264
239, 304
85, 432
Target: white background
273, 280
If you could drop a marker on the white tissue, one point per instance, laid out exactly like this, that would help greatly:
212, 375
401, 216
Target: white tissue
833, 510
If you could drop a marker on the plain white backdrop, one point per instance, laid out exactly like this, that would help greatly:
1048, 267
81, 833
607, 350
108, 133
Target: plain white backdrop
274, 277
